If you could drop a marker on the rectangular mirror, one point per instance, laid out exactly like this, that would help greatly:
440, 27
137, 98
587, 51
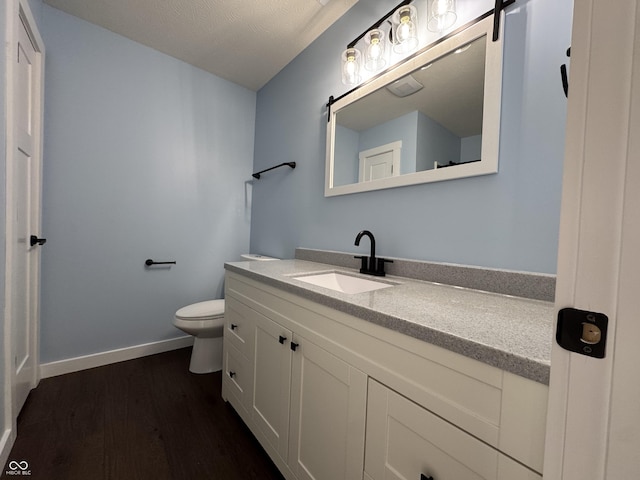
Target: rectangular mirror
435, 116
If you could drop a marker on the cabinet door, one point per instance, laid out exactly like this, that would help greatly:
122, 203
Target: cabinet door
271, 383
405, 441
328, 415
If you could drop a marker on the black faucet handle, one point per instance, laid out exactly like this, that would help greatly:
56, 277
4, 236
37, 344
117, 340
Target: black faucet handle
380, 266
364, 266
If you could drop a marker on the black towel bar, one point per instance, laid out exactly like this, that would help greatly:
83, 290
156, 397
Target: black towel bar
288, 164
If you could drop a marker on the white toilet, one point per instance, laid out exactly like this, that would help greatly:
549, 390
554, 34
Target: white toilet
205, 321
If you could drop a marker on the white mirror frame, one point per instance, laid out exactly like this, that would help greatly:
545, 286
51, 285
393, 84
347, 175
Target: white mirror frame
490, 119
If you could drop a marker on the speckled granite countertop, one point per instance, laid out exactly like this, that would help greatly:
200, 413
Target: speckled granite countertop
510, 333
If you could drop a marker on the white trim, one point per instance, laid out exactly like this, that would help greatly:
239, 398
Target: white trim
593, 421
32, 30
9, 420
70, 365
6, 443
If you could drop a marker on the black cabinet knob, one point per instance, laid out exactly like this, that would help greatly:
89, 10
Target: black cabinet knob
294, 346
233, 326
424, 477
282, 339
232, 374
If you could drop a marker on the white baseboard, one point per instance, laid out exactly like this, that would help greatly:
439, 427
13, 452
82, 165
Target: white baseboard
76, 364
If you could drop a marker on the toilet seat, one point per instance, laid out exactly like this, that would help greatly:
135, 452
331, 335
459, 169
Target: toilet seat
207, 310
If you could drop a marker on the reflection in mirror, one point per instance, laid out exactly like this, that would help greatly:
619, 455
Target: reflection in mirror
420, 119
431, 118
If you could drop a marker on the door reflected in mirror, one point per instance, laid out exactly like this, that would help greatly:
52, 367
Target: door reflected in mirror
435, 117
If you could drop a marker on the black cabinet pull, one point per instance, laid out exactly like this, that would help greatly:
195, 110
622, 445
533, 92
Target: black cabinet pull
424, 477
233, 326
294, 346
282, 339
232, 374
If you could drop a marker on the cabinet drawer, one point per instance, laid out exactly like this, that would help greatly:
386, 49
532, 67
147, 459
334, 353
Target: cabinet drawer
236, 378
238, 326
403, 441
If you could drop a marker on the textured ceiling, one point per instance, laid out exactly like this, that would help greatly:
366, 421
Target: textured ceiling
247, 42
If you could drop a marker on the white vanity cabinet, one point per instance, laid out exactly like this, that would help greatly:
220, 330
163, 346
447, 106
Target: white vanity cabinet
331, 396
305, 405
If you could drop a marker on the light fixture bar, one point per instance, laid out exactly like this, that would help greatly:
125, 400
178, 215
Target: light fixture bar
380, 22
500, 5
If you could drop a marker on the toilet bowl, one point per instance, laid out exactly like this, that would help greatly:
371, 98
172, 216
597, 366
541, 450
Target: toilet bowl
205, 321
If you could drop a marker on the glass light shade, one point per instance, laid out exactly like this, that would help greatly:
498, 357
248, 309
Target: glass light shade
441, 14
406, 32
351, 66
374, 53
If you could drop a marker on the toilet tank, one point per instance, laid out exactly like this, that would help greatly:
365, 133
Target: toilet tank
256, 257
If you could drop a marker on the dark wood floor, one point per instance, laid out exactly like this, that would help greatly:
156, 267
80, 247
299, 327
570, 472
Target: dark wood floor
148, 418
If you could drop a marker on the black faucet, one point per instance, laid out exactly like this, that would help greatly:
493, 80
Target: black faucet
371, 265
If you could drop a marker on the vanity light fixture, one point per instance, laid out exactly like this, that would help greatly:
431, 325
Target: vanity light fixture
351, 66
375, 39
441, 14
406, 32
374, 53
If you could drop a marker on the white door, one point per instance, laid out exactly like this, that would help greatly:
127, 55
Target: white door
23, 205
380, 162
593, 425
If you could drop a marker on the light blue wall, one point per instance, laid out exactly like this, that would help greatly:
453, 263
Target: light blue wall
470, 148
508, 220
144, 157
435, 143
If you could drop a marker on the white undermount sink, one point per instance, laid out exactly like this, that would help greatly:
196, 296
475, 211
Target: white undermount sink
341, 282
